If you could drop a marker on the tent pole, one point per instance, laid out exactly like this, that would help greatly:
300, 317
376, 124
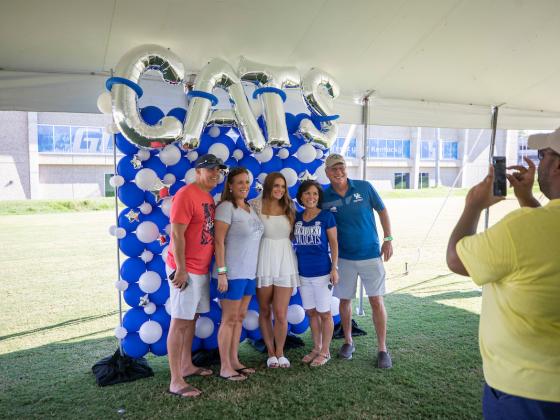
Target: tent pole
365, 119
494, 124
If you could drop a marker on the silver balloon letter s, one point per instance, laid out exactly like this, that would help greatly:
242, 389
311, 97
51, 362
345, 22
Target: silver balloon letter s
319, 90
124, 99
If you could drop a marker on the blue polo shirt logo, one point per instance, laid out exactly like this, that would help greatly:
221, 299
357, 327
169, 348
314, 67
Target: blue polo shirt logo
358, 198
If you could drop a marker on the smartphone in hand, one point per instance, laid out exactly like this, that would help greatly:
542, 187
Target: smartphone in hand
500, 187
172, 277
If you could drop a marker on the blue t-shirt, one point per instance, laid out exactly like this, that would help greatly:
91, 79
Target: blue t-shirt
357, 234
312, 244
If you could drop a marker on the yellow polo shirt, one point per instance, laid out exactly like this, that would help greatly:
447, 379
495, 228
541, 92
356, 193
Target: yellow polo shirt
517, 263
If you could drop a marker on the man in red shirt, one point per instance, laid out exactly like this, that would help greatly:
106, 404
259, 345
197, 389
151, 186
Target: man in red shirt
188, 261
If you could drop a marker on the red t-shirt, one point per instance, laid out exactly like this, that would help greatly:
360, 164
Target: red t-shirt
194, 207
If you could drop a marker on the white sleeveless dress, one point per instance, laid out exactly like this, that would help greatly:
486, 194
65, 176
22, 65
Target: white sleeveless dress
277, 263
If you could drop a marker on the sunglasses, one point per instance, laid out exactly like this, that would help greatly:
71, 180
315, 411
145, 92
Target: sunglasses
541, 153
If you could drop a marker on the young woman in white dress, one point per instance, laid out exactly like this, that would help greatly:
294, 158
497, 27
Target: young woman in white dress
277, 272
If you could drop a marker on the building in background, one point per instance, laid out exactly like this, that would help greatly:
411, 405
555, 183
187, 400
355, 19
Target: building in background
70, 156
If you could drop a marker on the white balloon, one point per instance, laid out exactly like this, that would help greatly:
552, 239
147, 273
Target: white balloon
164, 253
150, 308
147, 256
217, 197
283, 153
169, 179
214, 132
143, 154
150, 332
112, 230
290, 175
306, 153
335, 306
166, 206
321, 175
251, 321
219, 150
168, 229
146, 179
147, 232
104, 103
170, 155
145, 208
204, 327
294, 291
168, 306
296, 314
251, 178
261, 177
319, 154
149, 282
222, 178
121, 285
120, 332
112, 128
192, 156
238, 154
116, 181
190, 176
265, 155
120, 232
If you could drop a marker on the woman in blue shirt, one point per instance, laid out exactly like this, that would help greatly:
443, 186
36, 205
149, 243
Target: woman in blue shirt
314, 233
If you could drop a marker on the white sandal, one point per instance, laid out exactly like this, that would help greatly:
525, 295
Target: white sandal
272, 362
283, 362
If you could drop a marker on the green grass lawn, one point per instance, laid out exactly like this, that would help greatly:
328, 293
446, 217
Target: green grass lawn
59, 312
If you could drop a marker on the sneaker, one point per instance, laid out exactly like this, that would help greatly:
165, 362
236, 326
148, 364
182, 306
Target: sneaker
384, 360
346, 351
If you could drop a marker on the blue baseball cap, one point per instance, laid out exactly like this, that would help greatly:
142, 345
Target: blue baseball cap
209, 161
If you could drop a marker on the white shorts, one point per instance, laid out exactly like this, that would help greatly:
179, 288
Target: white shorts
195, 299
315, 293
370, 271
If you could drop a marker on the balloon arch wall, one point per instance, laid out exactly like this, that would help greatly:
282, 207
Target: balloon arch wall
159, 151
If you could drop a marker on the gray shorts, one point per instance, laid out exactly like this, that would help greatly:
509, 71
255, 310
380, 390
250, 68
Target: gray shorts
370, 271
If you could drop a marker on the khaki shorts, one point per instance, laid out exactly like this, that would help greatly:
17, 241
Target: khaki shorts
370, 271
194, 299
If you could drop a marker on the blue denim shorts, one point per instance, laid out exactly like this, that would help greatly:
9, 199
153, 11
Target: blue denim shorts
237, 288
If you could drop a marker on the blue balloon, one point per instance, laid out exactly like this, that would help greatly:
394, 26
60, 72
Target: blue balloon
254, 304
243, 335
294, 163
316, 121
273, 165
313, 166
232, 163
134, 347
292, 191
179, 113
151, 115
205, 142
301, 327
157, 216
251, 164
299, 208
176, 187
215, 312
156, 247
255, 334
336, 319
157, 165
124, 145
296, 299
217, 189
158, 265
180, 168
125, 223
295, 143
196, 344
292, 123
133, 319
131, 246
253, 193
132, 269
132, 295
211, 342
130, 195
227, 141
161, 317
240, 144
125, 168
150, 198
159, 348
213, 288
160, 296
262, 124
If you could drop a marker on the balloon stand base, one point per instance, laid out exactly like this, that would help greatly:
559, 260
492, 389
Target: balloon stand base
120, 368
206, 357
292, 342
356, 331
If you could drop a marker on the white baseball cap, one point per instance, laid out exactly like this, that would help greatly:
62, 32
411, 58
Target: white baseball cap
545, 141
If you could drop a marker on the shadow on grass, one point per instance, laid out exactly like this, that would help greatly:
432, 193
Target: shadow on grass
437, 373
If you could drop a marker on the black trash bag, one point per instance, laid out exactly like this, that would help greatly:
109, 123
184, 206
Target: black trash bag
292, 342
206, 358
119, 368
356, 331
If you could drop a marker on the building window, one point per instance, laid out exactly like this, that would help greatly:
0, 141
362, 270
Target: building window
423, 180
449, 150
73, 139
388, 149
402, 180
109, 189
338, 147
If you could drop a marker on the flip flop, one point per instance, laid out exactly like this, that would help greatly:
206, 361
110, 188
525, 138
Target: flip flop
200, 372
233, 378
246, 370
182, 391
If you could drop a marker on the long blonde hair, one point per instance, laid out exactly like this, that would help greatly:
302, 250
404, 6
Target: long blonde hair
286, 202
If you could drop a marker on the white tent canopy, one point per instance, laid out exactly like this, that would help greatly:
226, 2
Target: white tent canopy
431, 63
